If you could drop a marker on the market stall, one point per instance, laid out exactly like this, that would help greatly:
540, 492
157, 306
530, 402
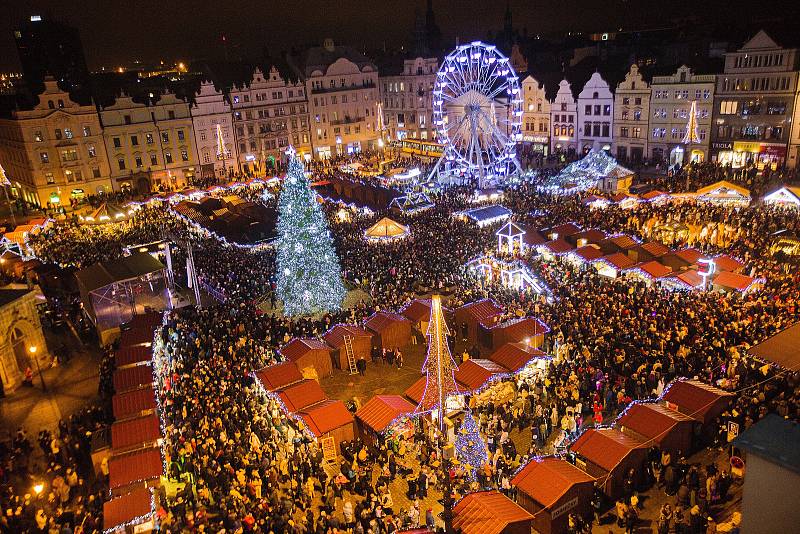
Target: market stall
274, 377
658, 425
300, 395
702, 402
470, 317
382, 415
360, 339
608, 454
139, 468
312, 356
386, 230
516, 357
390, 330
528, 330
329, 420
490, 512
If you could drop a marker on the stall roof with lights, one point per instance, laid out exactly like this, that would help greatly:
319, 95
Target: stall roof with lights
386, 229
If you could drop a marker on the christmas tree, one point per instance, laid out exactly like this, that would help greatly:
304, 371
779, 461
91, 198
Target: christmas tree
439, 366
470, 449
309, 276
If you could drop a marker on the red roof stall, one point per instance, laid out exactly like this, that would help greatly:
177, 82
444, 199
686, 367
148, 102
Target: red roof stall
586, 237
121, 510
418, 311
139, 335
308, 354
415, 391
377, 414
655, 424
360, 338
521, 329
515, 356
132, 377
472, 375
142, 466
490, 512
551, 489
134, 402
701, 402
301, 395
133, 433
612, 264
329, 418
729, 264
470, 317
133, 355
607, 454
391, 330
279, 375
728, 282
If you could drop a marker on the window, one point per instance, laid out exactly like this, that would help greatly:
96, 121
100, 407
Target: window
68, 176
121, 163
117, 142
596, 129
127, 119
184, 154
148, 138
50, 104
728, 107
69, 155
96, 172
87, 131
626, 101
674, 133
206, 157
168, 157
587, 128
60, 103
636, 132
59, 134
181, 135
68, 133
623, 132
48, 176
44, 157
236, 99
606, 129
202, 135
92, 151
587, 110
138, 160
171, 114
165, 137
134, 140
776, 108
153, 159
37, 136
637, 101
637, 115
597, 110
607, 109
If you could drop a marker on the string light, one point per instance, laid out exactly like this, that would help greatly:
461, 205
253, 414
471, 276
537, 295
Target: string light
469, 446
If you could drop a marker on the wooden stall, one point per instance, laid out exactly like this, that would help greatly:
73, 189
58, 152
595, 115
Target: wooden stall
312, 356
655, 424
390, 330
470, 317
702, 402
329, 419
274, 377
375, 417
300, 395
551, 489
133, 433
361, 340
516, 356
472, 375
418, 311
528, 330
607, 454
490, 512
134, 402
134, 508
141, 467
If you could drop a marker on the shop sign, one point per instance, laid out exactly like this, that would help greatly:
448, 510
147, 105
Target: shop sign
733, 430
778, 151
536, 139
740, 146
722, 146
564, 508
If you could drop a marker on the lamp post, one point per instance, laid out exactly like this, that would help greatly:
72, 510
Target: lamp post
33, 350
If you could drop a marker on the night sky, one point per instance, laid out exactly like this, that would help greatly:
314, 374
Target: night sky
119, 31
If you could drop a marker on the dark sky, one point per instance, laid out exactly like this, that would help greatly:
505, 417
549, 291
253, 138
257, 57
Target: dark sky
116, 31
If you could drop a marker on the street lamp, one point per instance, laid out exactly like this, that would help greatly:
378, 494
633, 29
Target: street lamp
32, 349
37, 488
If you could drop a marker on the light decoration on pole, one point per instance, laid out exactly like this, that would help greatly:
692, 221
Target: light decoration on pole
308, 270
470, 448
710, 268
439, 366
692, 136
222, 150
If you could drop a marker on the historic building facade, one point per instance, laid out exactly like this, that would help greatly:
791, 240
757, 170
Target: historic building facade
54, 151
406, 101
595, 115
535, 117
631, 113
22, 341
212, 122
681, 107
563, 117
754, 104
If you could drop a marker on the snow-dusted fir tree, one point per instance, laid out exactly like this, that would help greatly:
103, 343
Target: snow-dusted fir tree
308, 271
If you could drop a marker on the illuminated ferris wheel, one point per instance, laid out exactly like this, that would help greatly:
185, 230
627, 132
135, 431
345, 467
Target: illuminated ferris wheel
477, 111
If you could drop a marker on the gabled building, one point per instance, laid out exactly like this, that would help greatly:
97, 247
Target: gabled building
754, 104
213, 132
406, 100
595, 115
563, 117
535, 117
631, 113
54, 150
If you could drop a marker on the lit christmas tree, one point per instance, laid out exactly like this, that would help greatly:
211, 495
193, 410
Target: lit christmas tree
692, 136
439, 366
309, 276
470, 448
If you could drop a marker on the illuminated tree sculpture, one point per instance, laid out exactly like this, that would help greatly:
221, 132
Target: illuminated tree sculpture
692, 136
308, 271
439, 366
470, 448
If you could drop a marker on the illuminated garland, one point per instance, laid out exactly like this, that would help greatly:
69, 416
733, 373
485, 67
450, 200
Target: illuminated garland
470, 448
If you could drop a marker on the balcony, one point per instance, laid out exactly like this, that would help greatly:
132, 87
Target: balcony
340, 88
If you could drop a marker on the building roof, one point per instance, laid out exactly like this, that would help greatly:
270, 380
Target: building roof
415, 391
510, 229
279, 375
381, 410
625, 242
735, 281
125, 469
300, 346
133, 402
7, 296
473, 374
487, 213
515, 356
726, 263
482, 310
417, 310
335, 336
135, 431
120, 270
487, 512
689, 279
120, 510
606, 447
592, 235
522, 328
652, 268
655, 249
782, 349
546, 480
301, 395
563, 230
386, 228
559, 246
325, 416
321, 57
618, 260
725, 187
775, 440
380, 321
690, 255
694, 398
651, 420
132, 355
133, 377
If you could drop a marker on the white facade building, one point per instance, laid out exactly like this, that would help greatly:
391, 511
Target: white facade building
563, 117
212, 120
406, 100
631, 114
595, 115
535, 116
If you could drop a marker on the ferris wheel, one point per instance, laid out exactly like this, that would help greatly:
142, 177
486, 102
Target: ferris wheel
477, 111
